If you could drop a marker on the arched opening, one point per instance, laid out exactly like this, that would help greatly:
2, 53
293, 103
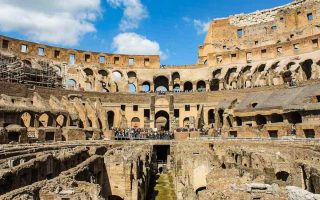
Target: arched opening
261, 120
103, 73
186, 122
27, 120
261, 68
230, 74
274, 65
294, 118
211, 119
200, 189
282, 175
289, 65
162, 120
110, 118
88, 72
176, 88
246, 69
45, 120
175, 77
117, 76
135, 122
201, 86
214, 84
71, 84
216, 74
275, 118
61, 121
161, 84
132, 88
286, 76
307, 68
131, 75
146, 87
187, 86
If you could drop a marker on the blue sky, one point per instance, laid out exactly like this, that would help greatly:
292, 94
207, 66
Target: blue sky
172, 28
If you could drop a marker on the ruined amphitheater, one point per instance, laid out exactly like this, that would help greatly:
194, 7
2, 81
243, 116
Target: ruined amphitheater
241, 123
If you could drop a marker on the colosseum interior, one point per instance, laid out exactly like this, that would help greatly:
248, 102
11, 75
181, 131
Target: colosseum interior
241, 123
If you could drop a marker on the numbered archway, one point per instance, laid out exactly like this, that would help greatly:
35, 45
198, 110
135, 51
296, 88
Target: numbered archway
162, 121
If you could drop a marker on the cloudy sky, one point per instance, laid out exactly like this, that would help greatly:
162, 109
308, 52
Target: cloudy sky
171, 28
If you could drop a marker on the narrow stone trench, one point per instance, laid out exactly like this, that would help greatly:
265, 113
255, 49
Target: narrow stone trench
162, 185
164, 188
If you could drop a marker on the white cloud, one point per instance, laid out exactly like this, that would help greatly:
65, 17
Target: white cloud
134, 12
200, 26
54, 21
135, 44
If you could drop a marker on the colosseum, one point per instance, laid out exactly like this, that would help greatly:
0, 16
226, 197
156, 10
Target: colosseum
241, 123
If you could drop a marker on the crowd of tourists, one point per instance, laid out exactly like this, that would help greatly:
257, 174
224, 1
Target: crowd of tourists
141, 134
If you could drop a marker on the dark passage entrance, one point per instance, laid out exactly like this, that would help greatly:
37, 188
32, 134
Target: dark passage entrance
13, 137
162, 152
49, 136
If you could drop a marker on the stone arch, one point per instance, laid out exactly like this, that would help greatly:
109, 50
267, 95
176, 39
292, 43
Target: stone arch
274, 65
200, 189
45, 120
161, 84
244, 80
162, 120
306, 67
275, 118
117, 75
103, 73
230, 71
261, 68
188, 87
176, 87
88, 72
294, 118
216, 73
261, 120
110, 119
132, 74
282, 175
289, 65
186, 122
132, 88
61, 120
27, 119
135, 122
175, 77
71, 84
287, 76
214, 84
211, 117
201, 86
27, 62
146, 86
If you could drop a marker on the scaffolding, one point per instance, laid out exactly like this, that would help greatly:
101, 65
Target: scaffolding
13, 70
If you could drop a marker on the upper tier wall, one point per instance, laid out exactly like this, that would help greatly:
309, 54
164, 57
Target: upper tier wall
25, 49
279, 32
